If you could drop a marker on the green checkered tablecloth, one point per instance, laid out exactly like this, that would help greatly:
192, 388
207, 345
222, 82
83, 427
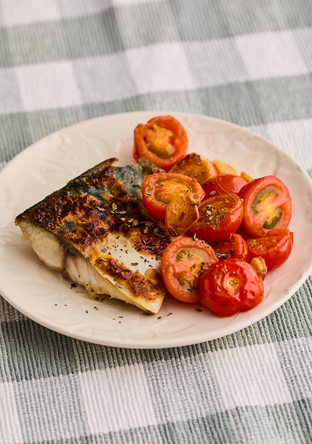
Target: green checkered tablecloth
244, 61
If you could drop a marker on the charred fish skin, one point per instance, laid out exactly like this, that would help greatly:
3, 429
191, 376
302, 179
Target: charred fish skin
131, 176
99, 215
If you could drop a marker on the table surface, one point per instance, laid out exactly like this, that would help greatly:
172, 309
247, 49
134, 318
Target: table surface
244, 61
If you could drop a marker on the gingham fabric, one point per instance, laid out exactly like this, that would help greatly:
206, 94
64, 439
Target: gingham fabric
244, 61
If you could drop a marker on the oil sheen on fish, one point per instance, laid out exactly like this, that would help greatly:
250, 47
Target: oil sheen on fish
96, 232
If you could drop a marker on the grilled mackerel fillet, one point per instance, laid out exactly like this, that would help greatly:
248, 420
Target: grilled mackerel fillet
96, 232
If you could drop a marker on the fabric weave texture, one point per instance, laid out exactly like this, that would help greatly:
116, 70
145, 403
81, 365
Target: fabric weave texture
244, 61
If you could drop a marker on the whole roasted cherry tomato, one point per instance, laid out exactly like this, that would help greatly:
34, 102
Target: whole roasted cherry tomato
162, 140
223, 184
219, 216
181, 264
274, 248
230, 286
160, 188
235, 247
267, 205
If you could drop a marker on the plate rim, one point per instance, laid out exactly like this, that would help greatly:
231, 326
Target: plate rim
174, 343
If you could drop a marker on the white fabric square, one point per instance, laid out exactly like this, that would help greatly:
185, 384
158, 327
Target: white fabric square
270, 54
133, 2
51, 85
249, 376
10, 430
294, 138
171, 401
103, 79
18, 12
303, 39
160, 67
10, 101
123, 392
215, 62
50, 409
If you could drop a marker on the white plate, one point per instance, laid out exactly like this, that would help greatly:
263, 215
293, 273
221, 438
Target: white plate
44, 296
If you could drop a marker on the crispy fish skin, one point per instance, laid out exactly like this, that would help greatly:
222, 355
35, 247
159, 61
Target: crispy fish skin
99, 217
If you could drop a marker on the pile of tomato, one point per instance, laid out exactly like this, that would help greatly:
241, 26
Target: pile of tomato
228, 229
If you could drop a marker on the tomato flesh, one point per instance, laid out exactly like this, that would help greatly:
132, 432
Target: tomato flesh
267, 205
159, 141
162, 140
168, 188
230, 286
274, 248
160, 188
219, 216
235, 247
181, 264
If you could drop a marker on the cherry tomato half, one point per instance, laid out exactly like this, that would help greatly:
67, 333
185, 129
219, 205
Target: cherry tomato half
160, 188
230, 286
223, 184
235, 247
181, 264
162, 140
267, 205
274, 248
196, 166
219, 216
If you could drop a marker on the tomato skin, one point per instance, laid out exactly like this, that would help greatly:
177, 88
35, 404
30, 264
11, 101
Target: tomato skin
160, 188
267, 205
219, 216
158, 146
181, 264
230, 286
235, 247
223, 184
243, 232
274, 248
